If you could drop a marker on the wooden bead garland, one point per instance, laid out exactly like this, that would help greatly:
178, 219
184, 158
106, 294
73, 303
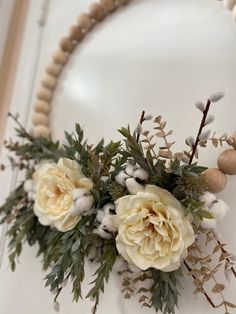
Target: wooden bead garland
215, 178
97, 11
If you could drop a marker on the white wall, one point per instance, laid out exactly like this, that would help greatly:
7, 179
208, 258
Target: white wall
161, 56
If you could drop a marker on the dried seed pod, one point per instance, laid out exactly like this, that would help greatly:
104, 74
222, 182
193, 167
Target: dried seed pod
42, 106
215, 179
41, 131
40, 119
96, 11
85, 22
227, 161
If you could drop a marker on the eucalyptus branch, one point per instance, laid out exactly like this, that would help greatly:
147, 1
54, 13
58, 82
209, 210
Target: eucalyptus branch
202, 289
223, 250
205, 113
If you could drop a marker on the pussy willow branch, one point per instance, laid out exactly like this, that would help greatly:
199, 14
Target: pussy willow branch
205, 113
203, 290
142, 119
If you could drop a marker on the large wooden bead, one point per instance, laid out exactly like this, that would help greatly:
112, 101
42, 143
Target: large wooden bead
85, 22
227, 161
49, 81
67, 44
44, 94
54, 69
108, 5
60, 57
215, 179
75, 33
41, 131
229, 4
42, 106
40, 119
96, 11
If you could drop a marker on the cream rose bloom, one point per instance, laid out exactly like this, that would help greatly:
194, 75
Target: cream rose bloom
54, 184
152, 229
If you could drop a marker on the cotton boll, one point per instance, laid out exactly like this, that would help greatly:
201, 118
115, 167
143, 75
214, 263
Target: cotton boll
107, 224
119, 264
141, 174
208, 223
109, 209
130, 169
82, 205
76, 193
102, 233
28, 186
133, 186
31, 196
207, 198
219, 209
100, 215
121, 178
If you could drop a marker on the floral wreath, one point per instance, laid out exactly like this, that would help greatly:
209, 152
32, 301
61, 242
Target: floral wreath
134, 205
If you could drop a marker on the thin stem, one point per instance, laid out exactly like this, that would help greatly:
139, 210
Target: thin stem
142, 119
223, 250
20, 126
203, 290
205, 113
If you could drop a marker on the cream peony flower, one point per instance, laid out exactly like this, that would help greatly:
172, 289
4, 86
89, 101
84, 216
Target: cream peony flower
54, 185
152, 229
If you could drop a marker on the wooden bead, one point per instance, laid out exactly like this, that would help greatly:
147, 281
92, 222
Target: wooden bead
229, 4
123, 2
44, 94
75, 33
60, 57
49, 81
41, 131
215, 179
42, 106
67, 44
40, 119
227, 161
96, 11
54, 69
108, 5
85, 22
